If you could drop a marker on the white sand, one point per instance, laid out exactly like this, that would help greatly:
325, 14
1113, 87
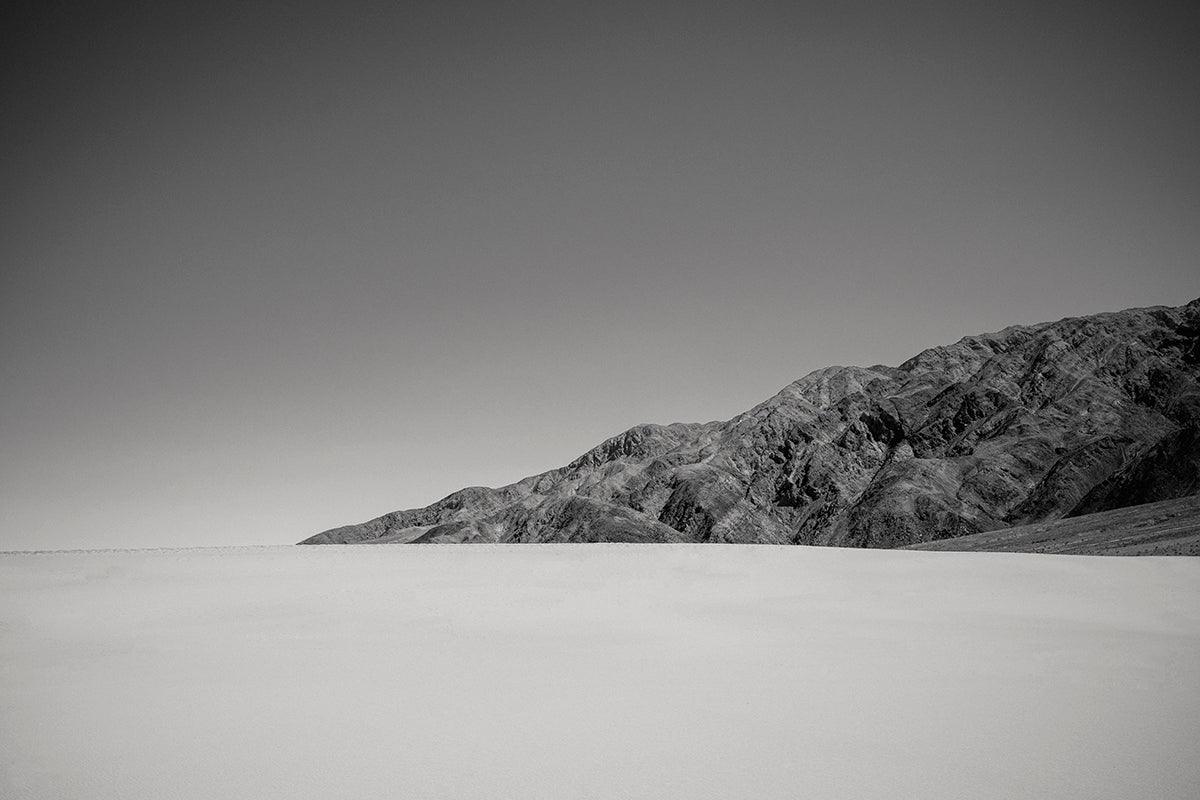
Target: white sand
602, 671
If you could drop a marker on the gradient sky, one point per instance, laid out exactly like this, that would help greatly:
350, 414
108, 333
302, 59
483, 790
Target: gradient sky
270, 268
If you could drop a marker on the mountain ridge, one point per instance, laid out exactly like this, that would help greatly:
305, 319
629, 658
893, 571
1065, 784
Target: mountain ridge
1020, 426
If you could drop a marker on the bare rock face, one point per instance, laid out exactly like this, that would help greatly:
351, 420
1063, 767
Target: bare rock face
1011, 428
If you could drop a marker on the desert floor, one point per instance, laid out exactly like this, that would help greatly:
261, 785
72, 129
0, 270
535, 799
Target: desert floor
597, 671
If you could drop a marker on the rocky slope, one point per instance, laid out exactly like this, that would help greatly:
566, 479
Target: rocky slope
1029, 424
1165, 528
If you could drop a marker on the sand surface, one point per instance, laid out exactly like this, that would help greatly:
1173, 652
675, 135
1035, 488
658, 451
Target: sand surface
597, 671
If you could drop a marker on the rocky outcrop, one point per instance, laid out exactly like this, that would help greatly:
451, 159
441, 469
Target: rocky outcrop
1022, 426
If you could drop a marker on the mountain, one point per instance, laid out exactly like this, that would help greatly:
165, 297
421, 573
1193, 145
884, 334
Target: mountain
1029, 424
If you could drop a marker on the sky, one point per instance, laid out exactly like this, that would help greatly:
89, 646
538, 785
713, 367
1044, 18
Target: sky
270, 268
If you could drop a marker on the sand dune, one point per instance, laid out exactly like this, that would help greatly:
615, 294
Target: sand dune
601, 671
